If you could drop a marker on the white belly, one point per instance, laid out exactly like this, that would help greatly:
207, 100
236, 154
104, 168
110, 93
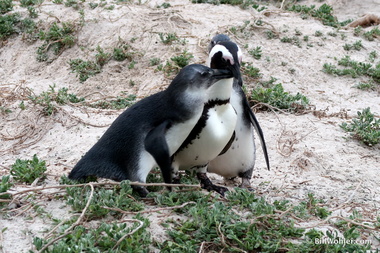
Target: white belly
175, 136
240, 157
212, 139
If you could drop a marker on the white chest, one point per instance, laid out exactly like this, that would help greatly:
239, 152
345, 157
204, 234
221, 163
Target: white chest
211, 140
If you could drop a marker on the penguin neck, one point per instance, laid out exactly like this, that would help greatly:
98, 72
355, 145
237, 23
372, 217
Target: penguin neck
221, 90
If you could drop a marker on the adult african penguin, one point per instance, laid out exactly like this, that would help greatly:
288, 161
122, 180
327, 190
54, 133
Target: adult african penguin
239, 159
148, 133
214, 132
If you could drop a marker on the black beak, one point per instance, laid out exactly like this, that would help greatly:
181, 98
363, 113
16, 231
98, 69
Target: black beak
222, 73
235, 69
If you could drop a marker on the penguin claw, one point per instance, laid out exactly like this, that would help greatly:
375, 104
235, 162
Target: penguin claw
209, 186
246, 184
176, 180
141, 191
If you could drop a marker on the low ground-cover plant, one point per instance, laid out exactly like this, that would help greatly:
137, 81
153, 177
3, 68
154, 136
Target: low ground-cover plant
176, 63
5, 6
5, 185
365, 127
13, 24
354, 69
57, 38
50, 99
27, 171
277, 98
323, 13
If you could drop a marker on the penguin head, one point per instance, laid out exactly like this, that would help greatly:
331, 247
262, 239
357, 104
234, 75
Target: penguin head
216, 39
197, 76
226, 55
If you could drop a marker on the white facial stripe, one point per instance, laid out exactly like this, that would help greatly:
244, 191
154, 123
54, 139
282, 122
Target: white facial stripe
240, 55
226, 54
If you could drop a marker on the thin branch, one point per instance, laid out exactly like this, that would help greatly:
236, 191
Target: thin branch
79, 220
149, 211
130, 233
98, 184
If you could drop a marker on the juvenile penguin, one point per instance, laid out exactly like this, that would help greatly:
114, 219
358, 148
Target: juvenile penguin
239, 159
148, 133
214, 132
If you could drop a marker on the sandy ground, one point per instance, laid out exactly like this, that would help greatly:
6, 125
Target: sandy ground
307, 153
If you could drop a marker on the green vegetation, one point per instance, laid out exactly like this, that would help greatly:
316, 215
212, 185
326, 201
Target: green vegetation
292, 40
369, 35
103, 238
353, 69
168, 38
357, 45
256, 53
323, 13
249, 71
277, 98
121, 53
13, 24
5, 185
121, 102
49, 99
365, 128
116, 197
240, 222
176, 63
28, 170
5, 6
255, 226
244, 4
84, 69
57, 38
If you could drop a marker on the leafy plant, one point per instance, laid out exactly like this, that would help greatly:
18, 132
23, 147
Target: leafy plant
49, 99
372, 34
278, 98
120, 102
57, 38
323, 13
122, 53
292, 40
250, 71
8, 25
84, 69
26, 3
5, 185
103, 238
168, 38
176, 63
365, 128
28, 170
356, 45
256, 53
116, 197
5, 6
102, 57
354, 69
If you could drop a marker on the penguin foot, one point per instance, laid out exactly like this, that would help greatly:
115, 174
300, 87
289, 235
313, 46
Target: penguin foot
141, 190
176, 180
246, 184
209, 186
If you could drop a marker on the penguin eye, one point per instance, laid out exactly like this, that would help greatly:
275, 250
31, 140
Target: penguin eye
205, 73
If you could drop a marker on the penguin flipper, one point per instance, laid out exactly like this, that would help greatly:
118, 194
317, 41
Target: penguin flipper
256, 125
155, 143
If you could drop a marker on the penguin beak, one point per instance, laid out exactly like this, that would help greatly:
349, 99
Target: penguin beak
235, 70
222, 74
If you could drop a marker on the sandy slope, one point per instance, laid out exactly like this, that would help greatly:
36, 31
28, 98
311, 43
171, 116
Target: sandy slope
308, 153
